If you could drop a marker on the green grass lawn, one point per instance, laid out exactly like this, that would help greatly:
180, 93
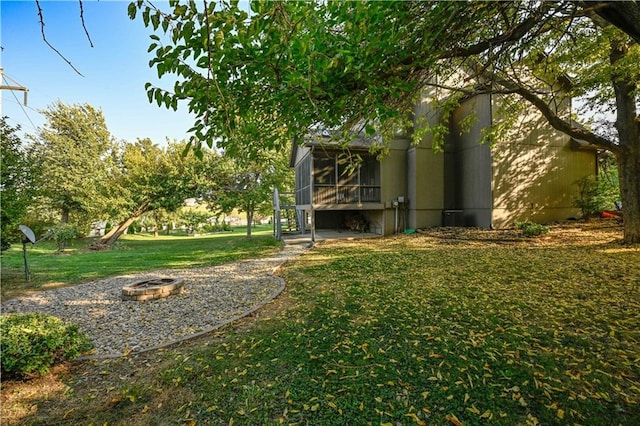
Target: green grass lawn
132, 253
424, 329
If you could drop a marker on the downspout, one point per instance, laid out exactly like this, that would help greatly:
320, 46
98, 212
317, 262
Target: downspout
395, 228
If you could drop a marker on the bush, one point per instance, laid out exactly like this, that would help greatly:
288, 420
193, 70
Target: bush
62, 234
532, 229
31, 343
597, 194
134, 228
216, 227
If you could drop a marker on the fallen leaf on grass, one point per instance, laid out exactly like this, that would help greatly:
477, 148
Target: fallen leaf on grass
454, 420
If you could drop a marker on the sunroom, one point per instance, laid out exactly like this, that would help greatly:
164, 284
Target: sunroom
337, 189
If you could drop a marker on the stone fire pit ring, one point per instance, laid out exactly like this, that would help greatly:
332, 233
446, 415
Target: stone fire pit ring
154, 288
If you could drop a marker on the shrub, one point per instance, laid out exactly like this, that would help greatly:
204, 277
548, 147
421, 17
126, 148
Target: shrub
216, 227
208, 228
532, 229
62, 234
597, 194
134, 228
31, 343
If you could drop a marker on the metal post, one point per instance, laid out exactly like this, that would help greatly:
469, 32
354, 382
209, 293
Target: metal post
395, 230
27, 275
277, 214
278, 220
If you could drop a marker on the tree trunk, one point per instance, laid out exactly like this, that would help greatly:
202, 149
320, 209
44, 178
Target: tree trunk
115, 233
155, 227
629, 177
119, 231
628, 127
64, 218
108, 235
249, 221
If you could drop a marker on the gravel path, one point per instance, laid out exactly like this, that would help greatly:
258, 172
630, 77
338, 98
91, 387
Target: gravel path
213, 296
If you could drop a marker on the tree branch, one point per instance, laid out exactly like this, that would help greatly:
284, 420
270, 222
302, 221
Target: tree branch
625, 15
83, 23
468, 92
555, 121
512, 34
44, 38
627, 120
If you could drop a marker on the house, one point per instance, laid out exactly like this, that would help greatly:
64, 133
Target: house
528, 173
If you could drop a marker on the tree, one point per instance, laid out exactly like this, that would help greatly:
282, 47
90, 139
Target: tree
16, 182
150, 178
74, 153
286, 66
193, 219
246, 183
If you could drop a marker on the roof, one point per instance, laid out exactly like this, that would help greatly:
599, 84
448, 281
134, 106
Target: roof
333, 139
580, 144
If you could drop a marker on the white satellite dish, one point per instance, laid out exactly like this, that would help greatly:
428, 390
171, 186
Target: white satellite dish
28, 233
30, 238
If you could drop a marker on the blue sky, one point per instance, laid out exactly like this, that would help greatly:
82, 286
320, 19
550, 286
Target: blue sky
115, 70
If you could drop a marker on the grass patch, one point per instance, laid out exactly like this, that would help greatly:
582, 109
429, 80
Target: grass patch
131, 254
428, 329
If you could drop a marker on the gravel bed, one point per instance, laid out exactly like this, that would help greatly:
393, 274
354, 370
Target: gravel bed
213, 296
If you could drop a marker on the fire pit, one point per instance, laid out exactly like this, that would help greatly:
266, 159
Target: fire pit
155, 288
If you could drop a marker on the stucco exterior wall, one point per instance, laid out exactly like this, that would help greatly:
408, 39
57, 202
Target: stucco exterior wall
535, 172
393, 182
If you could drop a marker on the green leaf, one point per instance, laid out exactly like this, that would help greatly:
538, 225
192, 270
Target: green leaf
131, 10
180, 10
145, 16
158, 96
155, 20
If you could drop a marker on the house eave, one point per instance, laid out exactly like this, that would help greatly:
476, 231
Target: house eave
582, 145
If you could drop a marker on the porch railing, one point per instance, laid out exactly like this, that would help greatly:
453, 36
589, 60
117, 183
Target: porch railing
346, 194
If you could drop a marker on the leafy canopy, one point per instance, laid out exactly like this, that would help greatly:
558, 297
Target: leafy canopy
16, 183
282, 67
73, 151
